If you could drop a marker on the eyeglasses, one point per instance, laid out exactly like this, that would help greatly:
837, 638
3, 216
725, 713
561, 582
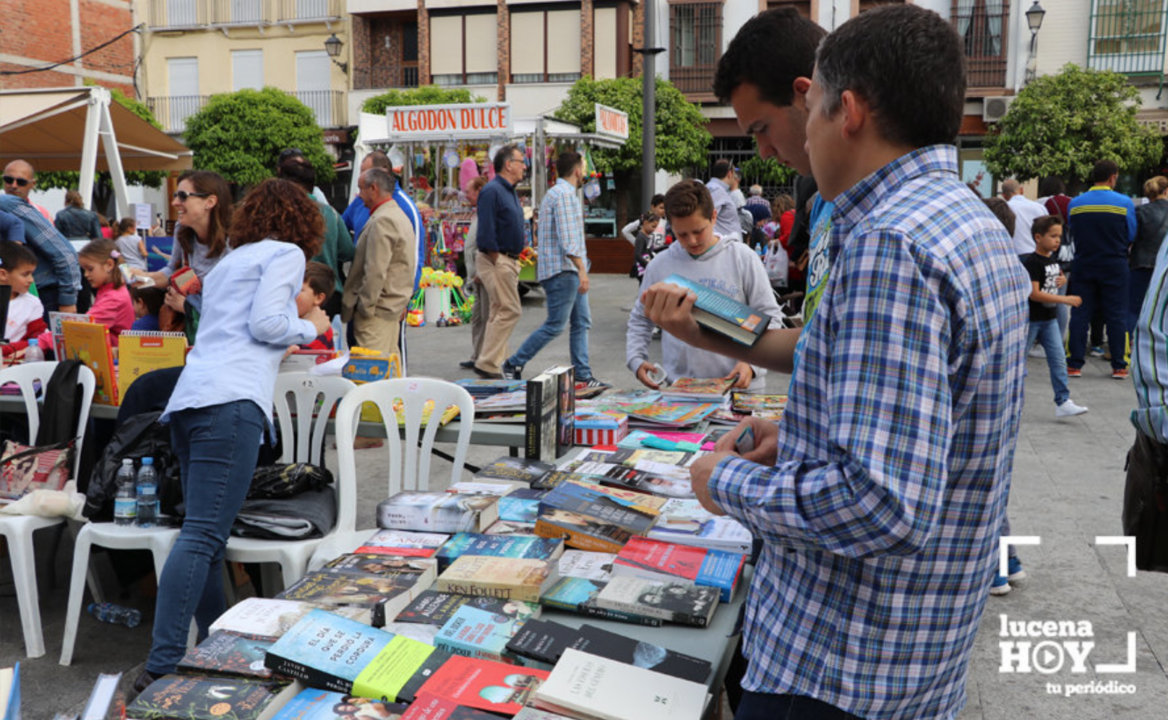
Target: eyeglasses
19, 182
182, 195
518, 160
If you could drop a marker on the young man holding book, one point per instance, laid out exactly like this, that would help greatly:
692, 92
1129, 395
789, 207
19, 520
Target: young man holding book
886, 496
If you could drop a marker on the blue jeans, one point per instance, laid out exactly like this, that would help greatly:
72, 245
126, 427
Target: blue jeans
1047, 334
216, 448
565, 303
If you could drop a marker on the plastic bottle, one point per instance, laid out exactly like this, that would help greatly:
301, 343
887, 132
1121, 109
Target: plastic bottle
115, 614
147, 494
34, 352
125, 499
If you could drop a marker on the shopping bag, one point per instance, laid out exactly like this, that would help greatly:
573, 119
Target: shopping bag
24, 468
777, 264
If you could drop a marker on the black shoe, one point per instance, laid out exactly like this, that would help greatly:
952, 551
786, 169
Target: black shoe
467, 364
487, 375
143, 681
512, 372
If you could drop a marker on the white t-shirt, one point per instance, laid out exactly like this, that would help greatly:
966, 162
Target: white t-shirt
22, 310
1025, 213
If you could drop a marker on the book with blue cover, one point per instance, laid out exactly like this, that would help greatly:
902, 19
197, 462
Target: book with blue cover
475, 632
517, 509
723, 314
589, 519
512, 546
578, 595
313, 704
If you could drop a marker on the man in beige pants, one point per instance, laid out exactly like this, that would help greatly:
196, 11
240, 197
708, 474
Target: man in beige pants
500, 240
381, 279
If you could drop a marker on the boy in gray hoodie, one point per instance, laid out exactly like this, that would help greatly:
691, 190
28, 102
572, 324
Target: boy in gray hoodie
697, 253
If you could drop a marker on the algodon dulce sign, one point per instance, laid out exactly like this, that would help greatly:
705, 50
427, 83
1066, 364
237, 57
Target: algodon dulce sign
425, 122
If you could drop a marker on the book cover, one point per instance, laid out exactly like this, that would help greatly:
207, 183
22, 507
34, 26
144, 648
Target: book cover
57, 322
578, 595
514, 509
539, 643
188, 697
142, 352
698, 388
477, 633
416, 571
656, 560
761, 404
540, 422
565, 376
670, 415
312, 704
483, 684
514, 468
436, 608
674, 602
429, 707
90, 343
227, 653
10, 691
557, 477
271, 618
415, 631
589, 686
326, 651
404, 543
598, 641
437, 512
508, 527
589, 565
510, 578
627, 478
532, 713
635, 438
383, 596
101, 698
498, 488
396, 673
498, 546
513, 401
723, 314
686, 522
589, 519
637, 458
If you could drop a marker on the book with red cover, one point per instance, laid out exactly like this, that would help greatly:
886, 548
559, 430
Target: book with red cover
429, 707
655, 560
484, 684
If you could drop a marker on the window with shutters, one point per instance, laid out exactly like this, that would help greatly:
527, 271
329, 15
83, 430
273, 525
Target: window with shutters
1127, 36
545, 46
463, 49
695, 30
984, 28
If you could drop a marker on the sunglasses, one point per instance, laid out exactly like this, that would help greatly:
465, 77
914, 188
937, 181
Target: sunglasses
19, 182
182, 195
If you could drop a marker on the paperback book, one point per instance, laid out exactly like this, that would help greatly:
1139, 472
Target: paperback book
565, 377
667, 415
513, 468
704, 389
598, 641
539, 643
498, 546
588, 565
404, 543
271, 617
515, 509
589, 519
477, 633
429, 707
540, 425
188, 697
578, 595
227, 653
432, 607
557, 477
508, 527
674, 602
500, 577
385, 597
437, 512
416, 571
483, 684
686, 522
665, 561
313, 704
723, 314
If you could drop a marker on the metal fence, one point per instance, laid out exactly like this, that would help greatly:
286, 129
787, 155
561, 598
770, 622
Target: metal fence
696, 31
196, 13
1127, 36
984, 25
327, 105
172, 111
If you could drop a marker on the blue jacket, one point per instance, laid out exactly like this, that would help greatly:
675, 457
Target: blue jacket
500, 219
1104, 225
356, 215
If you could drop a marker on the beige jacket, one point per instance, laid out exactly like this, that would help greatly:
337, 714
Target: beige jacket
381, 279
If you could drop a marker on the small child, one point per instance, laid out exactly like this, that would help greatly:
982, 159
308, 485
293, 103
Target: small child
319, 285
25, 312
698, 254
1046, 277
648, 243
147, 302
132, 248
111, 305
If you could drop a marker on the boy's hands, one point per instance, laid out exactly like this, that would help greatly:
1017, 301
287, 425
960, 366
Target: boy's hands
743, 373
319, 319
1074, 300
670, 307
643, 374
1060, 281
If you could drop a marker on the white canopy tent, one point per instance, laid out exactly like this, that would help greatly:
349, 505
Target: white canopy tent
83, 129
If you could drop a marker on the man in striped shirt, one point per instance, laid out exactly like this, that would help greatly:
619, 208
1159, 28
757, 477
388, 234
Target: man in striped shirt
880, 496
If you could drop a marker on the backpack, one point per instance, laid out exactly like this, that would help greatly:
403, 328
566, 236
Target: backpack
60, 412
138, 437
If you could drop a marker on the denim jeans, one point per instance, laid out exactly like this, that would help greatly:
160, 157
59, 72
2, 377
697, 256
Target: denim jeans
565, 304
1047, 334
216, 448
763, 706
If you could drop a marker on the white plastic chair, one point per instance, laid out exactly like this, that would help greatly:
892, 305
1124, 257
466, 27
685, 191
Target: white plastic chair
19, 529
303, 405
409, 463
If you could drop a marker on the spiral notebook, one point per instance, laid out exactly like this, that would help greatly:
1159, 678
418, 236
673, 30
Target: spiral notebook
140, 352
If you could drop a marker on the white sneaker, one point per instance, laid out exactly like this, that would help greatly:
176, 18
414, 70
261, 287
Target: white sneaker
1069, 409
1037, 352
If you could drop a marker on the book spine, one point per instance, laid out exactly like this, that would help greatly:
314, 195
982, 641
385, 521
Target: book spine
311, 677
609, 614
506, 592
533, 421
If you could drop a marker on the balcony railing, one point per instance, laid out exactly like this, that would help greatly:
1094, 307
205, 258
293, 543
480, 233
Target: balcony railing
695, 47
172, 111
204, 13
328, 105
1127, 36
984, 25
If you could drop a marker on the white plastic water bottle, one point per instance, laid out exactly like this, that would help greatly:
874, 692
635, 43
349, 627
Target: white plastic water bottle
125, 501
147, 494
34, 352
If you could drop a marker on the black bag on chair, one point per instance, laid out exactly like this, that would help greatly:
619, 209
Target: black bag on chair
1145, 502
138, 437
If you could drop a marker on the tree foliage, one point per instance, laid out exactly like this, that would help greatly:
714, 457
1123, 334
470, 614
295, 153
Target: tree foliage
1062, 124
103, 187
240, 135
425, 95
682, 138
766, 171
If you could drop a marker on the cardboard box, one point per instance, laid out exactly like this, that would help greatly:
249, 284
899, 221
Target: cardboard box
593, 428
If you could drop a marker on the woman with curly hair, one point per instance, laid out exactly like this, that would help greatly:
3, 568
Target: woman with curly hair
222, 403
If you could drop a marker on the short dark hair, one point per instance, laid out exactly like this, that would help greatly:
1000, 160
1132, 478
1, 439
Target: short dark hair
688, 197
1103, 171
14, 255
298, 172
658, 199
1002, 210
907, 63
379, 159
720, 169
1051, 185
567, 162
770, 51
288, 153
1041, 225
127, 226
503, 156
320, 278
152, 297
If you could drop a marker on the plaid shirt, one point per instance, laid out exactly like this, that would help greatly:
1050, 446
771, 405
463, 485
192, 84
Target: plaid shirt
56, 259
882, 513
561, 231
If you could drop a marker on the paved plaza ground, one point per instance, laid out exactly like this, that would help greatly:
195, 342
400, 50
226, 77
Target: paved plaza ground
1068, 489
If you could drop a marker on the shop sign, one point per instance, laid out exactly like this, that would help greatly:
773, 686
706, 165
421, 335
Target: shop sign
612, 122
474, 120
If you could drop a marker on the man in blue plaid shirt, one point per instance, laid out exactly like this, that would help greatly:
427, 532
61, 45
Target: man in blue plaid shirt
562, 271
880, 495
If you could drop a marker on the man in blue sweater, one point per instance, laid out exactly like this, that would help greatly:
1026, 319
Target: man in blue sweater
1104, 225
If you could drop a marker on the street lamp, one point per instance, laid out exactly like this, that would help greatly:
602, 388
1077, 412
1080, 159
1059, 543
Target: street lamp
333, 46
1034, 18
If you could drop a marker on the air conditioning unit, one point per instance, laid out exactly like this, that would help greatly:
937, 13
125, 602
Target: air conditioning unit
994, 108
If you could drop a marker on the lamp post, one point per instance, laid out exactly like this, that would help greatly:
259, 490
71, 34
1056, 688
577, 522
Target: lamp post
333, 46
1034, 20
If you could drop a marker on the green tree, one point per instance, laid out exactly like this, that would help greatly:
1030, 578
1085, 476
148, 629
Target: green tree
766, 171
1062, 124
240, 135
425, 95
103, 186
682, 138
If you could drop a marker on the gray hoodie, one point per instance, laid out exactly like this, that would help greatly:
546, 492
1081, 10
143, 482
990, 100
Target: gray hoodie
729, 267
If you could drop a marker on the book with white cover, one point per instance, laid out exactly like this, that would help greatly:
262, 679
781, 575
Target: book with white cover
594, 688
269, 617
588, 565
